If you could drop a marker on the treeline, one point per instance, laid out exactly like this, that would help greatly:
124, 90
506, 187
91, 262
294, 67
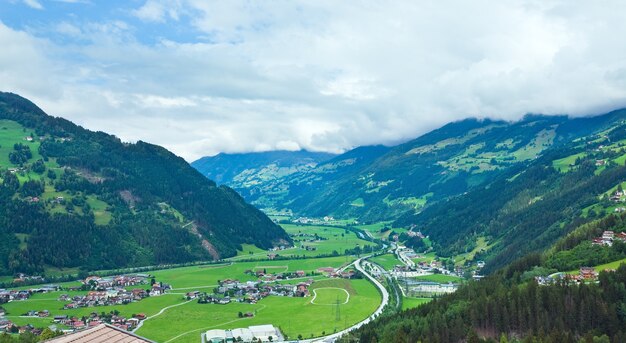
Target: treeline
497, 307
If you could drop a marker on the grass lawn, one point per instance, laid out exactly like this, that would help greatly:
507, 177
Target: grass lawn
336, 239
101, 215
408, 302
295, 316
563, 164
10, 133
481, 244
441, 278
249, 251
431, 256
387, 261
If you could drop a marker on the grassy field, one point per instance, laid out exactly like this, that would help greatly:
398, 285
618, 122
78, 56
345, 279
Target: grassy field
249, 251
208, 275
431, 256
387, 261
408, 302
481, 244
10, 133
337, 239
295, 316
186, 320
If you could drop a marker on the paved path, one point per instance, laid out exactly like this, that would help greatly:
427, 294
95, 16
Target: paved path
159, 313
379, 310
343, 289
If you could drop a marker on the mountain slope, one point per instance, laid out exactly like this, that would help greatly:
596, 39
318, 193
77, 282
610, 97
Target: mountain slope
255, 175
75, 198
379, 183
528, 208
257, 166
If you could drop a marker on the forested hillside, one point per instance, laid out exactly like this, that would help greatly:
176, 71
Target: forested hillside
527, 209
76, 198
504, 308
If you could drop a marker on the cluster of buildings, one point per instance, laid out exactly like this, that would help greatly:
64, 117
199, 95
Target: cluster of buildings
251, 291
7, 295
256, 333
585, 274
112, 296
95, 319
21, 277
608, 237
104, 283
10, 327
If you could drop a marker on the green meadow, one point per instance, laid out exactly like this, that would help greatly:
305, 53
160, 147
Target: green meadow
208, 275
409, 302
295, 316
336, 239
387, 261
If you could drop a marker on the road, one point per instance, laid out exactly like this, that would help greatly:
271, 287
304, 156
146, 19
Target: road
379, 310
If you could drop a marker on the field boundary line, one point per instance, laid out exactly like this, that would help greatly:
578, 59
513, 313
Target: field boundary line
315, 296
160, 313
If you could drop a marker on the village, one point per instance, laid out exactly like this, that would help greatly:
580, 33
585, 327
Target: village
100, 291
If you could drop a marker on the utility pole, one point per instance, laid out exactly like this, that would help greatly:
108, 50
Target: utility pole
337, 310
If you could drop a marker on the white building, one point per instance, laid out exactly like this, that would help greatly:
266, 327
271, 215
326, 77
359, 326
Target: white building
247, 335
264, 332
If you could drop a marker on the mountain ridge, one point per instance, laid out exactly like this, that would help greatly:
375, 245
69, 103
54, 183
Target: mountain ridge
156, 208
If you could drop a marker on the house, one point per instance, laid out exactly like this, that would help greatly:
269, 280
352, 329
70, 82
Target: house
608, 235
272, 256
588, 273
300, 273
100, 333
302, 289
60, 319
621, 236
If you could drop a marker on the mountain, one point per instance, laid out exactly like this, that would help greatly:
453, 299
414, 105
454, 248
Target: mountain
532, 221
529, 207
248, 169
255, 175
71, 197
383, 183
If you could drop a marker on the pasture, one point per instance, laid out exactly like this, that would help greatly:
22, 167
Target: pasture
409, 302
387, 261
333, 239
206, 276
183, 321
295, 316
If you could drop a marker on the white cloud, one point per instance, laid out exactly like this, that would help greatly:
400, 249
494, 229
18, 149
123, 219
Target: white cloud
33, 4
324, 75
158, 10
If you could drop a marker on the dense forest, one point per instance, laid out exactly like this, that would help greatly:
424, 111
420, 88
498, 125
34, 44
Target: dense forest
155, 208
504, 308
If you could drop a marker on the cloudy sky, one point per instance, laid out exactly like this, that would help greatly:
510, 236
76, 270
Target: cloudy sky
201, 77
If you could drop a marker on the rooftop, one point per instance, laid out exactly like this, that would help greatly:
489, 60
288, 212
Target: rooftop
100, 334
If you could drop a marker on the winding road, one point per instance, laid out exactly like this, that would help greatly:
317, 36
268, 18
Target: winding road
379, 310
